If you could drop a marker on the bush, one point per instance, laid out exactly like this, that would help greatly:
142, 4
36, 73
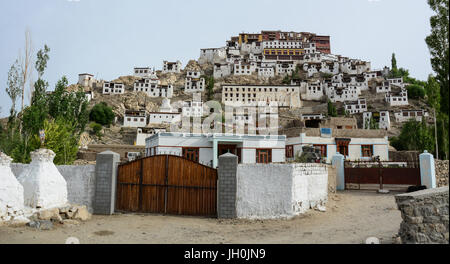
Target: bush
415, 91
102, 114
97, 128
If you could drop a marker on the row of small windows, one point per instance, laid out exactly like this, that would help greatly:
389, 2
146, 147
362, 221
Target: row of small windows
260, 89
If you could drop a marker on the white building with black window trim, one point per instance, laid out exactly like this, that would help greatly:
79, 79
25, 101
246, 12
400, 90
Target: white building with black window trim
357, 106
397, 98
193, 82
380, 118
354, 144
134, 118
113, 88
143, 72
165, 115
254, 95
174, 67
406, 115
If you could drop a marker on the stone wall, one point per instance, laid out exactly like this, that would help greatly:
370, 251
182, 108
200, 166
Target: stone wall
266, 191
80, 182
425, 216
441, 172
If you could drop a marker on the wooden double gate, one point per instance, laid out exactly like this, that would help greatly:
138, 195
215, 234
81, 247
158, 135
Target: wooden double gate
373, 175
166, 184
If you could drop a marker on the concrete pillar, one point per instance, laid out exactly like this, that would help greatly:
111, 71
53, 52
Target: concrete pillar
227, 186
338, 163
427, 170
215, 152
105, 182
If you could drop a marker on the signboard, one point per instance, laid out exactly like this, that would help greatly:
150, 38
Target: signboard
325, 132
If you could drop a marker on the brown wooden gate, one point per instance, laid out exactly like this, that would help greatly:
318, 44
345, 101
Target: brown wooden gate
166, 184
374, 175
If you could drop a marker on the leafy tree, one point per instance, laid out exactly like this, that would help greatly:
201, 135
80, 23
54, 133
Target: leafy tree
393, 63
71, 106
371, 124
42, 59
415, 91
102, 114
14, 87
209, 80
97, 128
438, 44
432, 90
331, 109
414, 136
59, 137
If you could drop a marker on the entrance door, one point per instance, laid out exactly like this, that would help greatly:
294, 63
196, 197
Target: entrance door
225, 148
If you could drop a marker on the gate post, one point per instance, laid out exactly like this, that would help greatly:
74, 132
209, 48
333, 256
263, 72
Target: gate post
226, 186
105, 182
427, 170
338, 163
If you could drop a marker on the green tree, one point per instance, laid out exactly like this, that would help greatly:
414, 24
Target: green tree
414, 136
331, 109
102, 114
14, 85
415, 91
59, 137
97, 129
432, 90
438, 44
393, 63
71, 106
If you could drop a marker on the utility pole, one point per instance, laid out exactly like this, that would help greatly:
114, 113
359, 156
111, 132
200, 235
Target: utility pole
435, 133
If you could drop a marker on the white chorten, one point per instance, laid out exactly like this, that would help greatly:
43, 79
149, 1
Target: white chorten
11, 191
165, 106
44, 186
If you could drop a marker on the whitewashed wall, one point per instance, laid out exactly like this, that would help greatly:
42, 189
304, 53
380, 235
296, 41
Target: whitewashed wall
80, 182
267, 191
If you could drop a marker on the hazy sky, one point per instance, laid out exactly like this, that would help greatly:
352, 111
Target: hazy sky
108, 38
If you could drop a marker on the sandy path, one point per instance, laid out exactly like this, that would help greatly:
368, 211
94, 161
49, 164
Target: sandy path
351, 217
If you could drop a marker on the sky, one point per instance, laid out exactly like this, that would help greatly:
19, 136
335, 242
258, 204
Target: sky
109, 37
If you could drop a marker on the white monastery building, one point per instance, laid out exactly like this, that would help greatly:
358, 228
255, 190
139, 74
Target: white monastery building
113, 88
174, 67
135, 118
381, 118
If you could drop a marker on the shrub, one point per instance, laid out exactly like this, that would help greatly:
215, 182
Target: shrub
415, 91
97, 128
102, 114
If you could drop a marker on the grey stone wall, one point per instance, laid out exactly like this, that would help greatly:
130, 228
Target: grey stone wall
425, 216
441, 172
80, 182
226, 187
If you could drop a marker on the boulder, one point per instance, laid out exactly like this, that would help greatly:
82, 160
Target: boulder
70, 222
48, 214
81, 213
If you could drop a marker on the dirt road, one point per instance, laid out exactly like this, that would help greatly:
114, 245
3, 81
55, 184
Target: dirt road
351, 217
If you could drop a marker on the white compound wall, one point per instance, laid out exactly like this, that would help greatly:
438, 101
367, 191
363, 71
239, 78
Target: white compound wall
268, 191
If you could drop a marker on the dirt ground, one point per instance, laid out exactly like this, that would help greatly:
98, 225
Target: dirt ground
351, 217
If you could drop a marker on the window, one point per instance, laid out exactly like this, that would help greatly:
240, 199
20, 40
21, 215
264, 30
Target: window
323, 150
191, 153
289, 151
263, 155
367, 150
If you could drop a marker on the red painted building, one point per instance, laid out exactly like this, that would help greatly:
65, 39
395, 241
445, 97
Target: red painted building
322, 43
